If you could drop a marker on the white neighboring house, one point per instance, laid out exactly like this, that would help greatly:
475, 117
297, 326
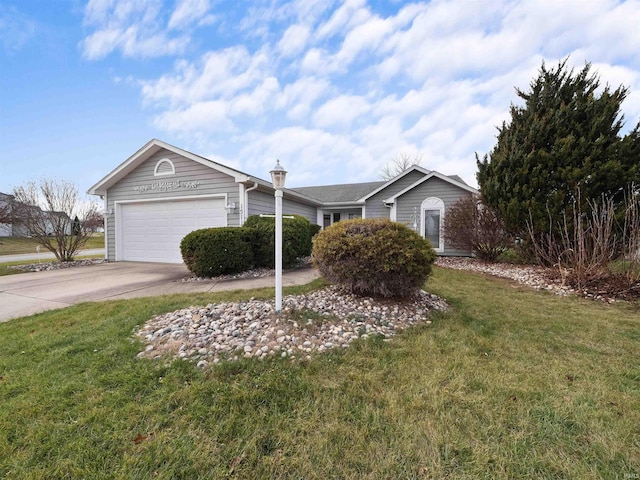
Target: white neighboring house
15, 228
6, 228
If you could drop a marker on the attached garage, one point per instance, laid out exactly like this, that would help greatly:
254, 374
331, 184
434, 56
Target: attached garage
151, 231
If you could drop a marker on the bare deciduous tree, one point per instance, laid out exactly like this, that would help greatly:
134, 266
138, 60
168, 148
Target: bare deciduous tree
45, 211
399, 164
472, 225
94, 221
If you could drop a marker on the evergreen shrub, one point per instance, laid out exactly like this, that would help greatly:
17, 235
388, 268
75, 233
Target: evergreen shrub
296, 239
210, 252
374, 257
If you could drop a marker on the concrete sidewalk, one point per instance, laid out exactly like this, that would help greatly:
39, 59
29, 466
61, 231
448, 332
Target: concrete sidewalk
30, 293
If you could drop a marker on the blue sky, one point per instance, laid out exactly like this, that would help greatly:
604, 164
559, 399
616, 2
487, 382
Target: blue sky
334, 89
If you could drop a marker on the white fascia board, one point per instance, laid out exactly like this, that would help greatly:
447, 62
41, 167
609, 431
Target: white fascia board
396, 178
433, 174
343, 204
149, 149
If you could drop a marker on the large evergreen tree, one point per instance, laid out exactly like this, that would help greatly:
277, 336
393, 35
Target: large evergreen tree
564, 139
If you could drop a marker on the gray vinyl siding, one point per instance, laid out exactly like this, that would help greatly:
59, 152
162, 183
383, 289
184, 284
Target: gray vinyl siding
374, 205
211, 182
265, 203
434, 187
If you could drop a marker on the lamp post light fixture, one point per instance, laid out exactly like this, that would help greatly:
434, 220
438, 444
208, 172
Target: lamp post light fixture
278, 175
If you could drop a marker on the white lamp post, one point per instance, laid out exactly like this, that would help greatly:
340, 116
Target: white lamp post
278, 175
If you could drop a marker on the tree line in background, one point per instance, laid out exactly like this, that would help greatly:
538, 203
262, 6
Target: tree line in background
52, 212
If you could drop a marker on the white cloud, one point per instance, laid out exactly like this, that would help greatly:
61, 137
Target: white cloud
294, 40
217, 74
136, 27
189, 12
340, 112
198, 117
350, 13
298, 98
341, 89
16, 29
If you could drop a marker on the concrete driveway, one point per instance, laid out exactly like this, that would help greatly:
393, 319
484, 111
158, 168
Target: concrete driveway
29, 293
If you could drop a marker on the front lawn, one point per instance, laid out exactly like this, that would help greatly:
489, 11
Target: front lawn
511, 383
20, 245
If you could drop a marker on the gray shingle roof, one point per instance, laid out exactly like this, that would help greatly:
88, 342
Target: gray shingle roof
457, 179
347, 192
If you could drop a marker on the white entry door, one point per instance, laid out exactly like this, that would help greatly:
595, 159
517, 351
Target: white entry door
152, 231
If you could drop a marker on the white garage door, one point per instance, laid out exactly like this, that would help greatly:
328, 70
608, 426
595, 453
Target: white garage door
152, 232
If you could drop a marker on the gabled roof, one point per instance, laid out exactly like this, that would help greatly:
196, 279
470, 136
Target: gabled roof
344, 193
384, 185
151, 148
433, 174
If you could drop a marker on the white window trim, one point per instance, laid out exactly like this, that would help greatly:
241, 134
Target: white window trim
160, 162
433, 203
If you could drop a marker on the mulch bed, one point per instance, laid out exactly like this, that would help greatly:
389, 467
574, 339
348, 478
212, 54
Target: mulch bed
607, 286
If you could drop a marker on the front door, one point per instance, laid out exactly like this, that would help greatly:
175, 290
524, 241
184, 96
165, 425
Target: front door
432, 227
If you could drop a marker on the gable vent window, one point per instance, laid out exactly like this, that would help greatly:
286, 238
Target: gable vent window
164, 167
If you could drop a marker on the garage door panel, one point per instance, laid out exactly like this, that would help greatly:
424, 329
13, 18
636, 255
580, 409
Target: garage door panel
152, 232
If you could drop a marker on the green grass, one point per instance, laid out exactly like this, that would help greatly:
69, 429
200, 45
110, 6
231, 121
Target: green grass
19, 245
511, 383
6, 270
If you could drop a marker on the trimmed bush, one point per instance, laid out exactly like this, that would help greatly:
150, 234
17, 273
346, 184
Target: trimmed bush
210, 252
296, 239
374, 257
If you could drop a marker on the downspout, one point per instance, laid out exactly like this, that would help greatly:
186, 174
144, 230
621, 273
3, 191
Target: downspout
245, 213
392, 213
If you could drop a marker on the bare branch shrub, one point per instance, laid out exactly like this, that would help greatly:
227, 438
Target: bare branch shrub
631, 232
589, 241
45, 211
472, 225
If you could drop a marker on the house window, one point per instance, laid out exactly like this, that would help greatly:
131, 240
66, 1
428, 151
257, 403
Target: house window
336, 217
431, 220
164, 167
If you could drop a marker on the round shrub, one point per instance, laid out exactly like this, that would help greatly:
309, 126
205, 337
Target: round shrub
296, 239
210, 252
374, 257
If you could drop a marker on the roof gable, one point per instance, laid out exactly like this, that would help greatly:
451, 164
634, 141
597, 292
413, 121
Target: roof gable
433, 174
386, 184
146, 152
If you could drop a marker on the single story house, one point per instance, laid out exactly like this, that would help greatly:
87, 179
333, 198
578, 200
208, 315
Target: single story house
6, 225
161, 193
20, 220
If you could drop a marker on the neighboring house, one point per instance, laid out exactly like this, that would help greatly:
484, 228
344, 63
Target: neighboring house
161, 193
12, 214
6, 227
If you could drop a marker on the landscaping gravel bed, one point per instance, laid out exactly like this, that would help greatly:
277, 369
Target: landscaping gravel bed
315, 322
53, 265
535, 277
539, 278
